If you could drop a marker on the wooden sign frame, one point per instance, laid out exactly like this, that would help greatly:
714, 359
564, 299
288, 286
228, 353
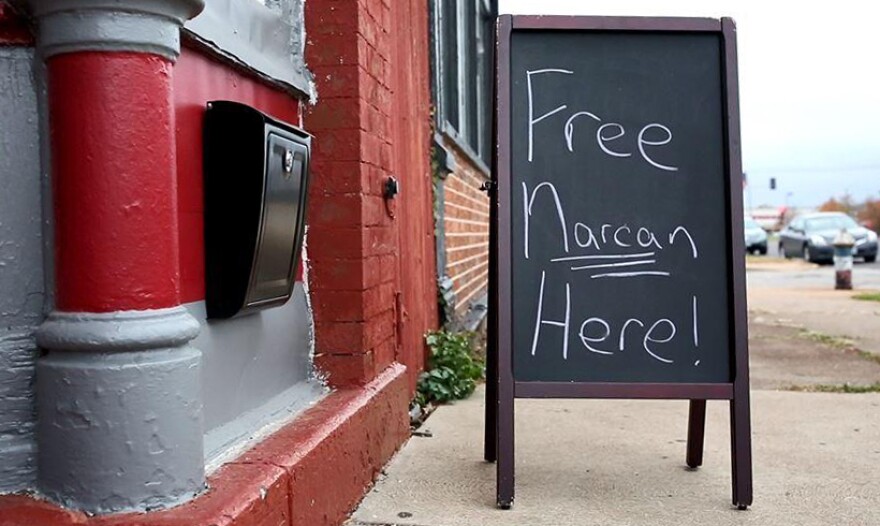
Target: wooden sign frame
502, 388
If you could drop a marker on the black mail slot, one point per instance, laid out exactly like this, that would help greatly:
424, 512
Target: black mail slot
256, 179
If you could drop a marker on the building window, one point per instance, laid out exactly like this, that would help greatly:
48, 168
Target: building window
463, 63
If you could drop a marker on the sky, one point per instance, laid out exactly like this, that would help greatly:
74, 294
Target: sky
809, 89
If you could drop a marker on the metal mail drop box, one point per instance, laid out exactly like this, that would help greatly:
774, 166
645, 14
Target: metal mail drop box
256, 172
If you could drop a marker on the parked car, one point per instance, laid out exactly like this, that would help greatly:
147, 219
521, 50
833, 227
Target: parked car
811, 236
756, 237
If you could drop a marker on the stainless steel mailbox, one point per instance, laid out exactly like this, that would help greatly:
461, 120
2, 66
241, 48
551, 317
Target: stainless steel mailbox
256, 179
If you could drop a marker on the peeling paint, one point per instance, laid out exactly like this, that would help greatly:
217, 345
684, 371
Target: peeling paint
314, 373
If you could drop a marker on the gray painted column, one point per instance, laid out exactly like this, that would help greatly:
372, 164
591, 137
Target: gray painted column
21, 269
119, 410
118, 394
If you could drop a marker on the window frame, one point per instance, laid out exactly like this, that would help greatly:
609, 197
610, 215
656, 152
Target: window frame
463, 116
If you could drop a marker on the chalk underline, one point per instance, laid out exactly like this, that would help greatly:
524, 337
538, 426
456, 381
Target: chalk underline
605, 256
619, 264
630, 274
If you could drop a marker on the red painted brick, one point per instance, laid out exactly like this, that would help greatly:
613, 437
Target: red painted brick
372, 91
374, 181
377, 300
343, 370
348, 210
342, 210
352, 305
379, 329
387, 267
347, 274
384, 17
329, 17
383, 46
371, 132
361, 445
341, 338
331, 242
384, 99
334, 81
339, 274
342, 113
384, 353
342, 177
374, 8
380, 240
20, 510
374, 210
338, 144
385, 157
371, 148
338, 305
333, 50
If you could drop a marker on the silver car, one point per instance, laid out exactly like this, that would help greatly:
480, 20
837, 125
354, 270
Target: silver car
811, 236
756, 237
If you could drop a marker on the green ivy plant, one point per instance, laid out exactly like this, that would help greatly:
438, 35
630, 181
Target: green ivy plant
452, 371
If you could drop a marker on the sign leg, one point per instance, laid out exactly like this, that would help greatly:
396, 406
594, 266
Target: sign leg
490, 441
696, 433
741, 450
505, 462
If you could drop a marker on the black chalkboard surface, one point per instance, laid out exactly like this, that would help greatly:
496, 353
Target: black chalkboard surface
619, 210
617, 264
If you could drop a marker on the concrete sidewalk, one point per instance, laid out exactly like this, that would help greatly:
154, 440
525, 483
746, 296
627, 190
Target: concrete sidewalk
599, 462
610, 462
798, 294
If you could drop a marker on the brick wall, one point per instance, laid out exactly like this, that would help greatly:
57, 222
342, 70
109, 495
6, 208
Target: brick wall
466, 236
353, 237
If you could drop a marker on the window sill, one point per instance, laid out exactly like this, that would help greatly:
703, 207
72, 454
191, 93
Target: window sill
452, 139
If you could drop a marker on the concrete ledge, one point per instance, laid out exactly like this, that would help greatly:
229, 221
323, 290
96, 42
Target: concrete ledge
313, 471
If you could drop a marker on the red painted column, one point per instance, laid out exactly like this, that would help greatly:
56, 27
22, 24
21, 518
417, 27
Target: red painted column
113, 158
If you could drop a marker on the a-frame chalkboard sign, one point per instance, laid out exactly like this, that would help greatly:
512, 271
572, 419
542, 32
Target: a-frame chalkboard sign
617, 261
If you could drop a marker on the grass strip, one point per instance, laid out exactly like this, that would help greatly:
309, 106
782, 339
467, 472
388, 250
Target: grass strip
836, 342
867, 296
836, 388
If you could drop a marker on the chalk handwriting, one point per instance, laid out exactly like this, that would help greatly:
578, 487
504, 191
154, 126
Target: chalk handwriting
529, 202
610, 249
596, 332
610, 236
585, 338
606, 132
648, 338
630, 274
532, 119
540, 321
